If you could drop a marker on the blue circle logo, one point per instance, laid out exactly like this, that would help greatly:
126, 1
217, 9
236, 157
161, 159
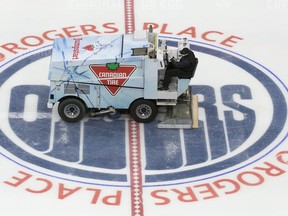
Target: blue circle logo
242, 118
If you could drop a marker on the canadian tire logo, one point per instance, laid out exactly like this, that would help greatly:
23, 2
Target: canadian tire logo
113, 75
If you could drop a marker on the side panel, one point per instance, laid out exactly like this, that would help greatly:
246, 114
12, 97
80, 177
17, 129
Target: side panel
151, 79
100, 86
87, 92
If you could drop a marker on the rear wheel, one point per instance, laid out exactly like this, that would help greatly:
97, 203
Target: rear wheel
143, 111
71, 110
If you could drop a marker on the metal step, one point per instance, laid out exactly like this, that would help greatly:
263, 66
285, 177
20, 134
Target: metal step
168, 102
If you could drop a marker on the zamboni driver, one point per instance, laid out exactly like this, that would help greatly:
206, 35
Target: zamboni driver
182, 69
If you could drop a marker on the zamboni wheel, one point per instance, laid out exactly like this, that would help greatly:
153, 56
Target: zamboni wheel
71, 110
143, 111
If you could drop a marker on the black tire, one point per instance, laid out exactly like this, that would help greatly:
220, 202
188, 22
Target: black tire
71, 110
143, 111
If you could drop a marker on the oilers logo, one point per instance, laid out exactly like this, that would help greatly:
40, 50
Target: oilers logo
242, 113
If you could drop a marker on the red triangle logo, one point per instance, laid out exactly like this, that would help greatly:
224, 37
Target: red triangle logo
113, 78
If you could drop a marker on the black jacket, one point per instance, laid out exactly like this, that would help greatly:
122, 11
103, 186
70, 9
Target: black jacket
186, 63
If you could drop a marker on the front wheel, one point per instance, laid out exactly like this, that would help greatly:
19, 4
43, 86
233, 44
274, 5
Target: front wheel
71, 110
143, 111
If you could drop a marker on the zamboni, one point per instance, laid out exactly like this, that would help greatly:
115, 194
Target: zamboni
100, 74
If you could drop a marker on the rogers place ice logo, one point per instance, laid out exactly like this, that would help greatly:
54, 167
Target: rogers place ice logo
242, 113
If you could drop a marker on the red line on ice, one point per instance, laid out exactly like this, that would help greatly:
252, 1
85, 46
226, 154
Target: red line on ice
129, 16
135, 168
134, 133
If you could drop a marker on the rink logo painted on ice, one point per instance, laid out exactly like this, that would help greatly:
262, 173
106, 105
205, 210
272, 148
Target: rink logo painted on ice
233, 127
185, 194
113, 75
